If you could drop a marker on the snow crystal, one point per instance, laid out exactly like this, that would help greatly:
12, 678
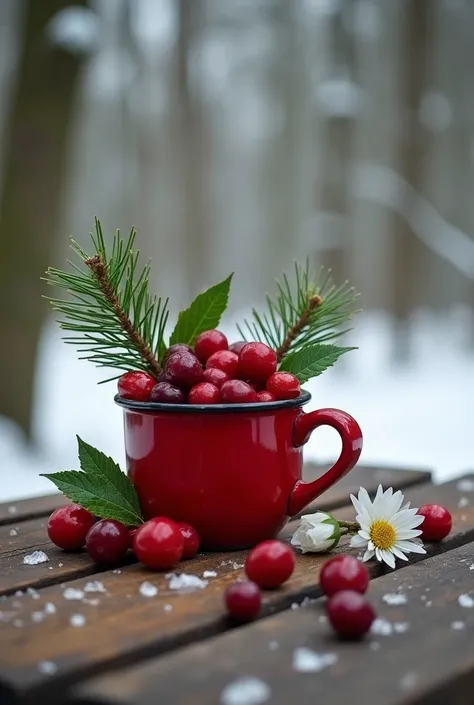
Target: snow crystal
294, 606
209, 574
12, 510
381, 627
168, 608
49, 608
13, 532
273, 645
77, 620
35, 558
94, 586
308, 661
466, 601
73, 594
394, 599
408, 681
247, 690
466, 485
94, 602
457, 626
463, 502
147, 589
32, 592
401, 627
186, 582
49, 668
428, 604
37, 616
117, 571
471, 567
60, 565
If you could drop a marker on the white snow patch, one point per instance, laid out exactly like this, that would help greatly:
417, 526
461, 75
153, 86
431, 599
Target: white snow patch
94, 586
458, 625
466, 601
49, 608
308, 661
13, 532
466, 485
49, 668
77, 620
247, 690
35, 558
395, 599
209, 574
73, 594
147, 589
463, 502
184, 581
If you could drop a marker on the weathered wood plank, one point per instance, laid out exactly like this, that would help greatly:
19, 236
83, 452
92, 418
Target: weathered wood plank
21, 510
31, 535
426, 659
125, 626
13, 512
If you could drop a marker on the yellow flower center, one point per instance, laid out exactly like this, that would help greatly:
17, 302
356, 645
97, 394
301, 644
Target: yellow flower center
382, 534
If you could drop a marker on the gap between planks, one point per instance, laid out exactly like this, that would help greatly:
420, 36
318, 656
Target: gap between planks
126, 627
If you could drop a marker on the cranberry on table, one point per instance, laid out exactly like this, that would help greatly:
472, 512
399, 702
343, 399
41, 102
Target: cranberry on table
237, 347
437, 523
237, 392
177, 347
183, 369
215, 376
68, 527
350, 614
257, 362
204, 393
343, 573
107, 541
243, 600
224, 360
159, 544
265, 396
167, 393
270, 564
136, 386
191, 539
209, 342
283, 385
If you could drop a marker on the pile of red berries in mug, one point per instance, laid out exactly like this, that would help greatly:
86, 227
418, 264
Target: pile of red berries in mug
213, 372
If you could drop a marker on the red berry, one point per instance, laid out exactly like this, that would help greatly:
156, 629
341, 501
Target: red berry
237, 392
210, 342
437, 523
204, 393
68, 527
270, 564
136, 386
215, 376
257, 362
183, 369
283, 385
243, 600
265, 396
237, 347
350, 614
159, 544
166, 393
224, 360
343, 573
191, 539
178, 347
107, 541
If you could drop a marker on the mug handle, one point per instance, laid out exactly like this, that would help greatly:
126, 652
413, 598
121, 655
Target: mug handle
351, 437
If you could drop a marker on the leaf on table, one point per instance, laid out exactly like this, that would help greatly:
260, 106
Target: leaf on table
204, 313
312, 360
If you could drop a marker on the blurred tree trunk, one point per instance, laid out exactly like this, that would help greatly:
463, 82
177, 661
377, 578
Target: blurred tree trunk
31, 200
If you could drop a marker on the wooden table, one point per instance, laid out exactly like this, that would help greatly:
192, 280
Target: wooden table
111, 643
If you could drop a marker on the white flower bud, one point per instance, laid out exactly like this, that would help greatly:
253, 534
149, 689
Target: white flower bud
317, 533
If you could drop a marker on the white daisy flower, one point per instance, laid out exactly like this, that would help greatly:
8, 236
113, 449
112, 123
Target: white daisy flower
317, 533
387, 530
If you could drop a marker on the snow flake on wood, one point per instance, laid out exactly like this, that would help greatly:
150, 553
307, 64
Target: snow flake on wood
35, 558
209, 574
458, 625
466, 485
147, 589
77, 620
94, 586
49, 668
184, 581
13, 532
247, 690
466, 601
308, 661
395, 599
73, 594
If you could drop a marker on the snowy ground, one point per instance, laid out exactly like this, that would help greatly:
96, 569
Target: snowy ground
418, 415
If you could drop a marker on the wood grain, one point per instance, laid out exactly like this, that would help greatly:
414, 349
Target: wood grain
429, 660
21, 510
126, 627
30, 535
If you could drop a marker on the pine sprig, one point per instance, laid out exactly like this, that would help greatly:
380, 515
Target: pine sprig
303, 312
116, 322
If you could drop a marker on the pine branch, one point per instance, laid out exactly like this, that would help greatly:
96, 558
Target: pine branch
114, 320
305, 311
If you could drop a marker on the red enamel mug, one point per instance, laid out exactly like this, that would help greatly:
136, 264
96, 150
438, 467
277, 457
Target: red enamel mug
233, 471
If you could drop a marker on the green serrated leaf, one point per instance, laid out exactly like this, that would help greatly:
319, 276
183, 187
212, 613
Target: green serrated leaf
96, 464
203, 314
312, 360
94, 495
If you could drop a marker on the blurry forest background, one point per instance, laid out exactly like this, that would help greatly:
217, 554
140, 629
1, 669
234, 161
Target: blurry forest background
239, 135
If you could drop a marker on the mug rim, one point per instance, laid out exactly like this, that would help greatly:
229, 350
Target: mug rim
153, 407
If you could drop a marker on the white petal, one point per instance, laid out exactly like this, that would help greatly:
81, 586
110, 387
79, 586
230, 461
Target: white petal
365, 534
410, 534
357, 505
395, 504
371, 546
368, 555
388, 557
396, 551
364, 500
358, 541
321, 532
315, 518
410, 547
378, 554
